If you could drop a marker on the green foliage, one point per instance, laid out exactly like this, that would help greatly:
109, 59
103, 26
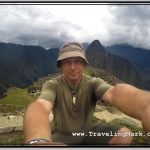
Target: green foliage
106, 76
137, 140
17, 99
14, 138
11, 108
18, 140
39, 83
17, 96
88, 71
96, 120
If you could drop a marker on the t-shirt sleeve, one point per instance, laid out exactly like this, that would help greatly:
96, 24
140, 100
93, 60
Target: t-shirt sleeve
100, 87
49, 91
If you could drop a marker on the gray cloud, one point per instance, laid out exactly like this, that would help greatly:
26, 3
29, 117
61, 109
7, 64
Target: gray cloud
131, 14
34, 25
130, 24
28, 25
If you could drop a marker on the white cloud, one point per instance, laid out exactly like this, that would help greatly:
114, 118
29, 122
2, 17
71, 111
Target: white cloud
51, 25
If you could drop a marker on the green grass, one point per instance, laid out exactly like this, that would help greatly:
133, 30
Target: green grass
17, 96
88, 71
12, 139
137, 140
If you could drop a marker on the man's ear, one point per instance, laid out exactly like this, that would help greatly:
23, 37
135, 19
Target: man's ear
60, 64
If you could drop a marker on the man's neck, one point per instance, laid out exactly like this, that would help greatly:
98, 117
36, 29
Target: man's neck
73, 83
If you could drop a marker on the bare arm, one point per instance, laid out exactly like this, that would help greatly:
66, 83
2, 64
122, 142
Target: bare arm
129, 99
36, 122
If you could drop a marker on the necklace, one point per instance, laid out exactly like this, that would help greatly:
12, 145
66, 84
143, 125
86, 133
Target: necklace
73, 92
74, 100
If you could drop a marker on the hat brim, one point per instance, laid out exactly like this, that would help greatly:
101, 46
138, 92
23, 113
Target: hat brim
70, 54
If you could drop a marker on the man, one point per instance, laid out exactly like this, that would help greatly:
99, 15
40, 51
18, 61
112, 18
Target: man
72, 98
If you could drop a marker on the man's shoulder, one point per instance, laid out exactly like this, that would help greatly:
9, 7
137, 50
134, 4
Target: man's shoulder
86, 78
91, 79
55, 80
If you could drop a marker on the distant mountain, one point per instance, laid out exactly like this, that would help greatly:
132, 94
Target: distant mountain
85, 45
99, 57
140, 59
20, 65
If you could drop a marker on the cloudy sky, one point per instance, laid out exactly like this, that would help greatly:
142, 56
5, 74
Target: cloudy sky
52, 25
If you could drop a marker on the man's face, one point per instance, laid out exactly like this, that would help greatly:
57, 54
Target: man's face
73, 68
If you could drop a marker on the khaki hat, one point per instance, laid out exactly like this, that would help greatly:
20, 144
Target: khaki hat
71, 50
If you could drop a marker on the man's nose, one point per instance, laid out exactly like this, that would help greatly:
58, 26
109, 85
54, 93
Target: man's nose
72, 65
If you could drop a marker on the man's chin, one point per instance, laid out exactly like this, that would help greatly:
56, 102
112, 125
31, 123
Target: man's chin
74, 78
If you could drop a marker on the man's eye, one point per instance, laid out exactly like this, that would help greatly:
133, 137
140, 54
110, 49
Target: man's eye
66, 62
77, 61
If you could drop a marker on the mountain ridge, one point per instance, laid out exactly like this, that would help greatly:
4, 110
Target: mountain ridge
137, 56
98, 56
20, 65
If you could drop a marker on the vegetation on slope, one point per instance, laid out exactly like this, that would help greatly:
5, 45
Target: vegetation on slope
18, 99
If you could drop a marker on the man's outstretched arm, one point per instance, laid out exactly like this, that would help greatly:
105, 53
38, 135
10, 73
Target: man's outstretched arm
36, 120
130, 100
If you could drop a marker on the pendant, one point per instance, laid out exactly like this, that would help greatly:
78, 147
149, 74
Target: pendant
74, 100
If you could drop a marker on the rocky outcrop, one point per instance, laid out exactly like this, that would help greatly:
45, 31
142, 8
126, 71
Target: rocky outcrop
11, 123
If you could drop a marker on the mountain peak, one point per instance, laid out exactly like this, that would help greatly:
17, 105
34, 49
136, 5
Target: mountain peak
96, 42
98, 56
96, 46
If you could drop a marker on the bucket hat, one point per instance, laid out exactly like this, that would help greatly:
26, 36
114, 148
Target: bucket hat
73, 49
